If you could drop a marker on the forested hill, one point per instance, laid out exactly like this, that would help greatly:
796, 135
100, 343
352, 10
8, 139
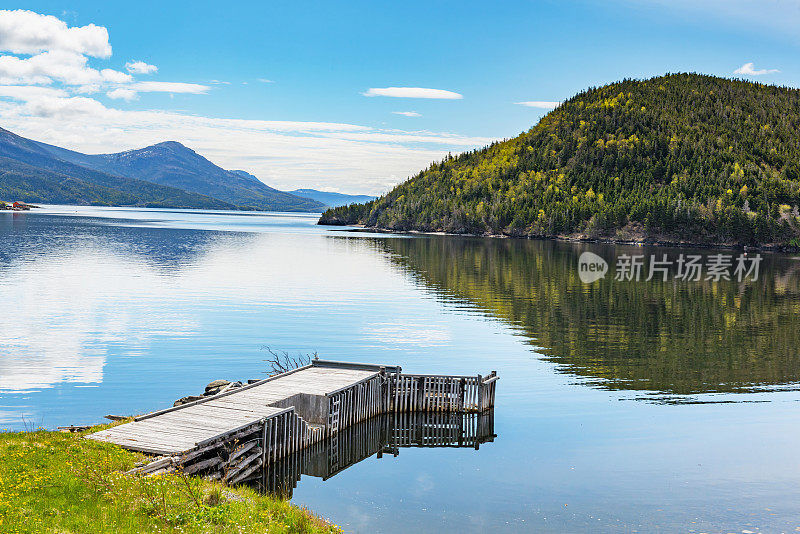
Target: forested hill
682, 157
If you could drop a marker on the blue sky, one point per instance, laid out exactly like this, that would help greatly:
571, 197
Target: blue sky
311, 124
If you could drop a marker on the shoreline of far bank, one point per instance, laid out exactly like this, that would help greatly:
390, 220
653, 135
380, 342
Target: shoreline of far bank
640, 241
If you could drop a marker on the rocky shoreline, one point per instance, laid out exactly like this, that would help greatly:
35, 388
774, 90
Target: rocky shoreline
638, 241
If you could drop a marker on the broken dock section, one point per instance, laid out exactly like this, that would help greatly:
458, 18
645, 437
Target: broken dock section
234, 433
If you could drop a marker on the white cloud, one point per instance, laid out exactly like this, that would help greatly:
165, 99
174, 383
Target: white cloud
131, 92
265, 80
140, 67
58, 54
407, 113
66, 67
27, 93
60, 108
541, 104
14, 70
412, 92
26, 32
748, 69
170, 87
114, 76
123, 94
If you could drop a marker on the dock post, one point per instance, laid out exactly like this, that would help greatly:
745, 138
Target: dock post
494, 374
396, 387
264, 443
480, 393
420, 401
385, 389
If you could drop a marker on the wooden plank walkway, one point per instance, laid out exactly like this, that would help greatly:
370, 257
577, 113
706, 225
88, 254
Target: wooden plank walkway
182, 428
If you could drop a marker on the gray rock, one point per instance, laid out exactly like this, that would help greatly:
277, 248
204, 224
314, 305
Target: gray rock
186, 400
213, 389
217, 384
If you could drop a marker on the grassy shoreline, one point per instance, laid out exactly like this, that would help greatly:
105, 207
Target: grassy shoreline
58, 482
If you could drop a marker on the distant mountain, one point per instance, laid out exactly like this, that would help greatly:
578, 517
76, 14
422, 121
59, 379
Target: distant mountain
329, 199
172, 164
245, 174
32, 173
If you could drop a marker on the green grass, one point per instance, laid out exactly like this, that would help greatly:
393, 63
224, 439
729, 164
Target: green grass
60, 483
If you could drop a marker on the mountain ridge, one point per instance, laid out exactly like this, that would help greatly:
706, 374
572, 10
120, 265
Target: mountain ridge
172, 164
26, 163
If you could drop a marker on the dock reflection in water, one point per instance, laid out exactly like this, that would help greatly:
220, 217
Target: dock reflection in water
380, 435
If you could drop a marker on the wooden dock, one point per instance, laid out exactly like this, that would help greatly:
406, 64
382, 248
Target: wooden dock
240, 430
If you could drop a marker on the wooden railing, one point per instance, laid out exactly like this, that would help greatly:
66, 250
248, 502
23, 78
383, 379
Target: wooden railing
439, 393
357, 402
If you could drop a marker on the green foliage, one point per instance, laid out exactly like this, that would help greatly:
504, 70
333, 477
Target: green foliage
678, 157
55, 482
350, 214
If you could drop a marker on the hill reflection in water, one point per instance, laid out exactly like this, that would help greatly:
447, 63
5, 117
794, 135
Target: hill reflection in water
668, 337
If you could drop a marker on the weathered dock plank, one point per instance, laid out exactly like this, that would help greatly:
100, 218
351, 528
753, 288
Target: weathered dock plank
179, 430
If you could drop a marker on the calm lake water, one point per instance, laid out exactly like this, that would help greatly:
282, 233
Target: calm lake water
622, 406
